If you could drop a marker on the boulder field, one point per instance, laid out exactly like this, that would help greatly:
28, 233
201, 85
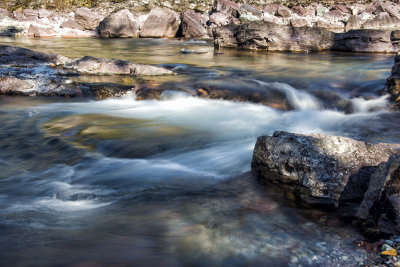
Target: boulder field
358, 27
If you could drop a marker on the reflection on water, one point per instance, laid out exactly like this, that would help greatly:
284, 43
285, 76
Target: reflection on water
167, 183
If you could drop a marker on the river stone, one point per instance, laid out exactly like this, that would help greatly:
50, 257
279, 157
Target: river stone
36, 31
14, 86
101, 66
86, 18
119, 24
365, 41
193, 24
161, 22
283, 12
226, 7
320, 169
382, 21
381, 204
72, 24
17, 55
393, 82
273, 37
225, 36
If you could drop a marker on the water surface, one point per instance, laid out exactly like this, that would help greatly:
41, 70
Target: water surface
167, 182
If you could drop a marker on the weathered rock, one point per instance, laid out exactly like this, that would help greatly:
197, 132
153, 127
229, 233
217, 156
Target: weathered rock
18, 55
225, 36
272, 37
44, 13
391, 9
365, 41
161, 22
342, 8
334, 26
220, 19
283, 12
86, 18
321, 10
19, 15
382, 21
14, 86
101, 66
299, 22
381, 205
320, 169
271, 8
119, 24
36, 31
4, 13
226, 7
72, 24
31, 14
193, 24
187, 51
249, 13
393, 82
353, 23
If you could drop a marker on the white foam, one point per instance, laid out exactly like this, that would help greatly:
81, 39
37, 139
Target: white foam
363, 105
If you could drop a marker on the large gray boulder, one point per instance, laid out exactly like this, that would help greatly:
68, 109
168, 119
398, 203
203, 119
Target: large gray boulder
36, 31
273, 37
119, 24
86, 18
382, 21
320, 169
106, 66
381, 205
161, 22
193, 24
366, 41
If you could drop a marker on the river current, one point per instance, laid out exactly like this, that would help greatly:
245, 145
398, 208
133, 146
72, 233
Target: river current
121, 182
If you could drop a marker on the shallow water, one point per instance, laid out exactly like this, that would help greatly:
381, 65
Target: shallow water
167, 182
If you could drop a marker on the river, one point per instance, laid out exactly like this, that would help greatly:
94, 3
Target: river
167, 182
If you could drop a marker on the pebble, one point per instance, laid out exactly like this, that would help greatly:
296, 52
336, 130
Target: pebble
386, 247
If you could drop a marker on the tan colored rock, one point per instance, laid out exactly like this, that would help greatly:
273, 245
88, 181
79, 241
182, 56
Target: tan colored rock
119, 24
72, 24
36, 31
284, 12
382, 21
87, 18
161, 22
193, 24
299, 22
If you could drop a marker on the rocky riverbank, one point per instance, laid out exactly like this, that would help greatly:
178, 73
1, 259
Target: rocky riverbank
31, 73
274, 27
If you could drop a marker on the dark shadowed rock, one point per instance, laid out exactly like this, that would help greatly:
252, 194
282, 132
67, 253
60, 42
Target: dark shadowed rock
393, 82
193, 24
72, 24
381, 205
226, 7
365, 41
320, 169
101, 66
119, 24
86, 18
382, 21
225, 36
36, 31
18, 55
161, 22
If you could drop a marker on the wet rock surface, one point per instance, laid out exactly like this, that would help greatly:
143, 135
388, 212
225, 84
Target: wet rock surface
322, 169
393, 82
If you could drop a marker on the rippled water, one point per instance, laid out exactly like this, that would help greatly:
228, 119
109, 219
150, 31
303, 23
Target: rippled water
167, 182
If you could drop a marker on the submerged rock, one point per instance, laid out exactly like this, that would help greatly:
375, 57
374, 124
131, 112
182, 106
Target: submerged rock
92, 65
18, 55
119, 24
161, 22
320, 169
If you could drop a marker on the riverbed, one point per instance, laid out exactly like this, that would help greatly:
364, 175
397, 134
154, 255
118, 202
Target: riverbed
167, 182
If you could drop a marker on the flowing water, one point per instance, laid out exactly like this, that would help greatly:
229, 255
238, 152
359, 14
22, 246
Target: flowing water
167, 182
